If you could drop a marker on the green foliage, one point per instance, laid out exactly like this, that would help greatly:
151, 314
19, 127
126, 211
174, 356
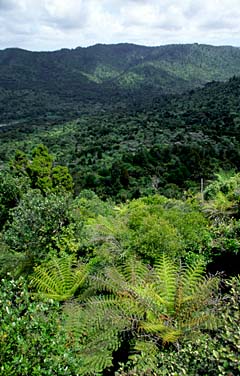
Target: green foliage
143, 363
15, 262
36, 224
89, 206
36, 86
96, 336
128, 141
61, 179
153, 236
11, 190
228, 352
222, 207
41, 172
214, 354
151, 307
39, 169
222, 197
9, 196
225, 238
19, 163
143, 146
32, 338
184, 217
59, 279
225, 182
151, 226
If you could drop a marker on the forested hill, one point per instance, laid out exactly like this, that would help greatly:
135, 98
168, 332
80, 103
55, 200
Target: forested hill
120, 229
63, 84
165, 148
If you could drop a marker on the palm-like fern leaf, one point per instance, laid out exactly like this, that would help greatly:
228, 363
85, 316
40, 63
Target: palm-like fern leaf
166, 280
134, 271
60, 278
170, 335
192, 277
95, 327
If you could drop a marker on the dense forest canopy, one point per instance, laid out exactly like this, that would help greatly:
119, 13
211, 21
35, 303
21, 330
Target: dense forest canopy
119, 211
125, 153
61, 85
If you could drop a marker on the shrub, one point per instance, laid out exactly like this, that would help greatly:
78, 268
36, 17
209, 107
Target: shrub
32, 339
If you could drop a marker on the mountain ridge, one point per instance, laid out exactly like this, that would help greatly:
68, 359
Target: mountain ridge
118, 44
72, 79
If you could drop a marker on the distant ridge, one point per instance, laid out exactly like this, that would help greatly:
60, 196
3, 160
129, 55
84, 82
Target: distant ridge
35, 83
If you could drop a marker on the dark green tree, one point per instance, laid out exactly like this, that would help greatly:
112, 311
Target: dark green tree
11, 190
40, 167
36, 224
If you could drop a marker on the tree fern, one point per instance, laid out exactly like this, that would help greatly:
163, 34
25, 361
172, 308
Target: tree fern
134, 271
152, 306
155, 305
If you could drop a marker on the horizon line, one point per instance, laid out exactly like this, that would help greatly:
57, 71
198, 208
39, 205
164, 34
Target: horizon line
117, 44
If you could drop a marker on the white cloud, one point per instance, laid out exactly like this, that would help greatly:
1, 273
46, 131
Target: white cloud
53, 24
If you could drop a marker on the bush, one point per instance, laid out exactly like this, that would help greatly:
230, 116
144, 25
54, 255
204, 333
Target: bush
32, 339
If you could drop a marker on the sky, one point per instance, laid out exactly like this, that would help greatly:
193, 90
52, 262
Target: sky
46, 25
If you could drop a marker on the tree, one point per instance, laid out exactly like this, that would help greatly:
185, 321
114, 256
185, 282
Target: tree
39, 168
41, 171
19, 163
36, 224
10, 193
61, 179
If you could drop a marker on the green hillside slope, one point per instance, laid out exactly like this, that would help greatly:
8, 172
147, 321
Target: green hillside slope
124, 153
63, 84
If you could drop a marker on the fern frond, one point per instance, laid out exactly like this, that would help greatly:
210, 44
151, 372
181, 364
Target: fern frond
94, 365
146, 347
114, 279
95, 327
160, 304
204, 296
103, 303
59, 279
208, 286
134, 271
202, 320
144, 357
155, 327
166, 273
171, 335
192, 277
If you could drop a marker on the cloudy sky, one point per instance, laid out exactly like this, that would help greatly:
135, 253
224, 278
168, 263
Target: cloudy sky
55, 24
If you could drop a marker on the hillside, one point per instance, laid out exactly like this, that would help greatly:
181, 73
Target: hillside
63, 84
120, 211
165, 149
